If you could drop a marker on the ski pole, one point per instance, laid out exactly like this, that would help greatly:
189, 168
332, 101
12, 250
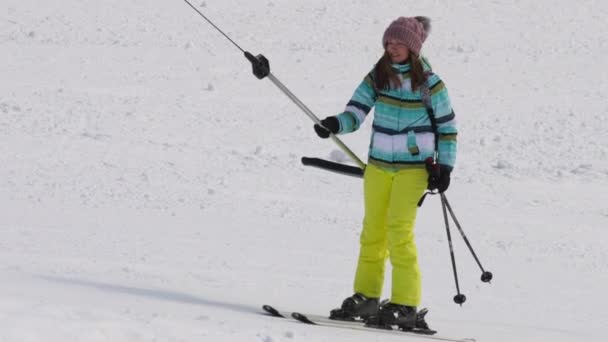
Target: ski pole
261, 69
486, 276
459, 298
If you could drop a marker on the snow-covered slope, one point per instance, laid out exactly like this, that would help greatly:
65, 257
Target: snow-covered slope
152, 191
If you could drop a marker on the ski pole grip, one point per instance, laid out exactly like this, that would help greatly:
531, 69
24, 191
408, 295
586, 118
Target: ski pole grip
432, 168
260, 65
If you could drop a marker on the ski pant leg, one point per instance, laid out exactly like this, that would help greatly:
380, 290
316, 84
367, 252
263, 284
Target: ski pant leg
369, 277
408, 187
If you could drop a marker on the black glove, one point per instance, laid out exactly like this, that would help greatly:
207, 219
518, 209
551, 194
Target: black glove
330, 124
439, 178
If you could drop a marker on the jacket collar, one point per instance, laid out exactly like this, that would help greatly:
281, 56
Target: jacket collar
402, 68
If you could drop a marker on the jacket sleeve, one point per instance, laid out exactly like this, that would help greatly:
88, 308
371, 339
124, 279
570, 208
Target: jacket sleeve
446, 121
358, 107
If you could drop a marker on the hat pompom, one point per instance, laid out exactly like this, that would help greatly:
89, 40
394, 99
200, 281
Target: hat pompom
426, 24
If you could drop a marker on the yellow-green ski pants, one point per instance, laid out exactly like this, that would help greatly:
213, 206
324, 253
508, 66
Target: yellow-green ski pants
391, 203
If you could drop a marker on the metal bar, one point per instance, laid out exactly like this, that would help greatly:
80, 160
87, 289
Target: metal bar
315, 119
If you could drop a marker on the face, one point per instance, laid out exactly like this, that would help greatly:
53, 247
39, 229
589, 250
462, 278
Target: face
397, 51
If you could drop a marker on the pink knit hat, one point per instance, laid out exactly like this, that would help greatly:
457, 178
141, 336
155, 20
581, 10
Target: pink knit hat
411, 31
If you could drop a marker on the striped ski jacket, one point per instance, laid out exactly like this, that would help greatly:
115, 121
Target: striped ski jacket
402, 135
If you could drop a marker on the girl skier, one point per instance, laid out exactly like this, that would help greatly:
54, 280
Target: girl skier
412, 111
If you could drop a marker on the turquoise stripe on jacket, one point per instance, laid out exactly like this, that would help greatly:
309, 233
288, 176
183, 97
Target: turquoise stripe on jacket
401, 132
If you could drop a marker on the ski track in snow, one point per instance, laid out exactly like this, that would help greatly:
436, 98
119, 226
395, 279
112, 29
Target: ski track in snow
152, 188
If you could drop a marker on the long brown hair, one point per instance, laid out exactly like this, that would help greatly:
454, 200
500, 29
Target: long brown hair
386, 77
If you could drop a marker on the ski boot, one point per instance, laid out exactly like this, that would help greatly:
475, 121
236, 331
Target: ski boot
355, 307
403, 316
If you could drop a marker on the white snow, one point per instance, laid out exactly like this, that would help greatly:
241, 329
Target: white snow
152, 190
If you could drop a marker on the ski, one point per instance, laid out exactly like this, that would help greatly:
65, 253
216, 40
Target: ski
274, 312
323, 321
